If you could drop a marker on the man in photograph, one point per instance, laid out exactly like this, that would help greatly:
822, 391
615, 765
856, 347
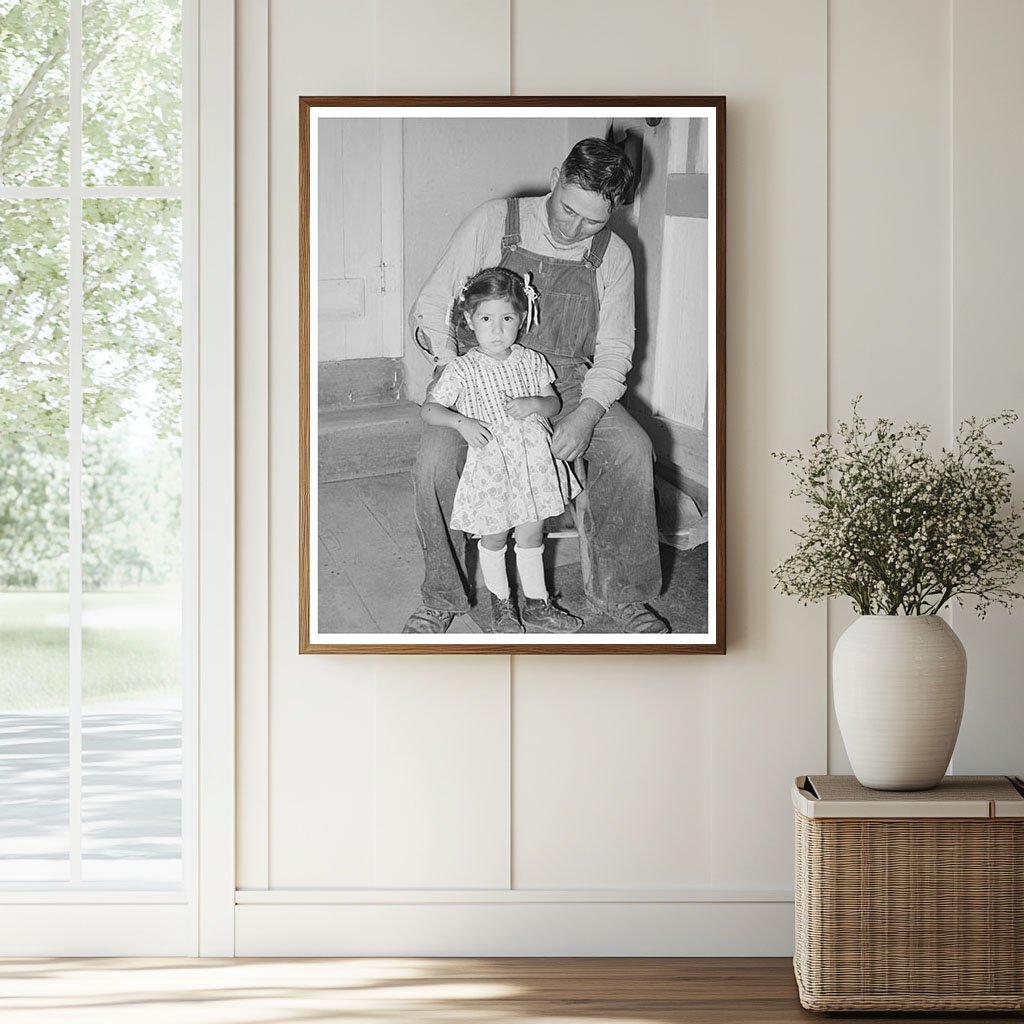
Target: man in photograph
583, 273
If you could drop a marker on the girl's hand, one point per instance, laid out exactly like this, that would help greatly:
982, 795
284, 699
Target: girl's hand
520, 408
476, 433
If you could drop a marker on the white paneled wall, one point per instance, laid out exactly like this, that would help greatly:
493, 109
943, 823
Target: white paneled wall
889, 244
581, 48
612, 776
889, 332
317, 759
987, 365
768, 692
438, 47
617, 805
322, 817
442, 777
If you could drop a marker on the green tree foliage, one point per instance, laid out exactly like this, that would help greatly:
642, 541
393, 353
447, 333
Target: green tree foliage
33, 392
33, 514
132, 313
131, 301
131, 509
34, 80
131, 92
34, 321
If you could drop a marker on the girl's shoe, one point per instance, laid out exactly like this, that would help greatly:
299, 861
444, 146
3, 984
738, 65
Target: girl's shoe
503, 616
542, 615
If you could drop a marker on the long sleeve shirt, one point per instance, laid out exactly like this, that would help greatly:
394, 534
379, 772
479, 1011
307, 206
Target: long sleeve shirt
477, 244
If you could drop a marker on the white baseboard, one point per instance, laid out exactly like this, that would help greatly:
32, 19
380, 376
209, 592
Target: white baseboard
99, 928
540, 929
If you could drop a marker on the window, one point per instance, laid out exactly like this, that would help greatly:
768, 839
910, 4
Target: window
94, 455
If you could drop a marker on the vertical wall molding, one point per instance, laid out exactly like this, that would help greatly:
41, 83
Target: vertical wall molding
216, 478
987, 371
253, 389
769, 692
889, 229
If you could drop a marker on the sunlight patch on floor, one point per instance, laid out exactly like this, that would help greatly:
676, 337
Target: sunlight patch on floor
220, 991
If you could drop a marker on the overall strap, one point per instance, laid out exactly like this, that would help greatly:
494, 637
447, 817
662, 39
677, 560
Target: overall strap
512, 236
595, 257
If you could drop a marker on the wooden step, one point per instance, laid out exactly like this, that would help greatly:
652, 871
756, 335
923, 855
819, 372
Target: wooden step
355, 383
681, 523
362, 442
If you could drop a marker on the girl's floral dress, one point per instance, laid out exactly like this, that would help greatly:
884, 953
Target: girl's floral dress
514, 478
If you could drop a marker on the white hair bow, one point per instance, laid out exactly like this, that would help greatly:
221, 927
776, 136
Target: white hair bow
457, 300
532, 312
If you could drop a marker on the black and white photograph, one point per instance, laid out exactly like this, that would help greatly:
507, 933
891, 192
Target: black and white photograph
511, 375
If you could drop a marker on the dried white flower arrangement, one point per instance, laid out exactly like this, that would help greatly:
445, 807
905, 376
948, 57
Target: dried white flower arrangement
899, 530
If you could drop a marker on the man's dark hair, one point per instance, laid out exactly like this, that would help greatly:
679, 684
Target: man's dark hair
598, 166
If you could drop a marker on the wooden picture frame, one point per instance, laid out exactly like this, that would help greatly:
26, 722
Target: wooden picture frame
384, 184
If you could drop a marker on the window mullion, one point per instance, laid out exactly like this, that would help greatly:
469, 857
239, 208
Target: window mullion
75, 336
95, 191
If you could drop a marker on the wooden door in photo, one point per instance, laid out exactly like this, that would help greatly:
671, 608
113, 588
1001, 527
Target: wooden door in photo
359, 239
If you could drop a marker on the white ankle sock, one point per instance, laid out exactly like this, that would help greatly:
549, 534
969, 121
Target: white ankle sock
492, 564
530, 563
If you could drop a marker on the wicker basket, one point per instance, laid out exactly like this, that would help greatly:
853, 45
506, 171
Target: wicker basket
910, 901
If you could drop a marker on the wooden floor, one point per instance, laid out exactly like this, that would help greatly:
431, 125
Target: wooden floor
370, 567
413, 991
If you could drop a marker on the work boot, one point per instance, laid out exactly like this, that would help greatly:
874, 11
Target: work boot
428, 620
503, 616
633, 617
542, 615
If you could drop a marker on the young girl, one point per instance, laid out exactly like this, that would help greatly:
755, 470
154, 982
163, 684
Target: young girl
497, 397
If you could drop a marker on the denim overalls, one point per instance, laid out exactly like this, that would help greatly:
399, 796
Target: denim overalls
569, 304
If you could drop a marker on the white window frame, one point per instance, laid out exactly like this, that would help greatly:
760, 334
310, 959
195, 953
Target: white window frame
216, 392
198, 918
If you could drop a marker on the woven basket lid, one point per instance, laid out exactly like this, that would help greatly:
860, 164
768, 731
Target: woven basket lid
957, 796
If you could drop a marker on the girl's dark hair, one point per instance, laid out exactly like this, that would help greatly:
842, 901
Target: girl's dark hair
598, 166
490, 283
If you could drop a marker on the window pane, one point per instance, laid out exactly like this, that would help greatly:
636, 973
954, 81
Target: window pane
33, 540
131, 541
34, 806
131, 774
33, 92
131, 92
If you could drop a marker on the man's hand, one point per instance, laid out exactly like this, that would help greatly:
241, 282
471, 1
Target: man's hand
474, 431
573, 432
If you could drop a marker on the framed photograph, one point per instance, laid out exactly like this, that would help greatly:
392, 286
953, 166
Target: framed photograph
512, 375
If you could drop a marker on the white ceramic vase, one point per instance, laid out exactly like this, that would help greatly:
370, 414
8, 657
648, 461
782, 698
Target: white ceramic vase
898, 685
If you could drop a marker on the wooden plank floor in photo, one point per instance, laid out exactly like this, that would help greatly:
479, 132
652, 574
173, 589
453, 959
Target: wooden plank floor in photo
416, 990
370, 564
371, 567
